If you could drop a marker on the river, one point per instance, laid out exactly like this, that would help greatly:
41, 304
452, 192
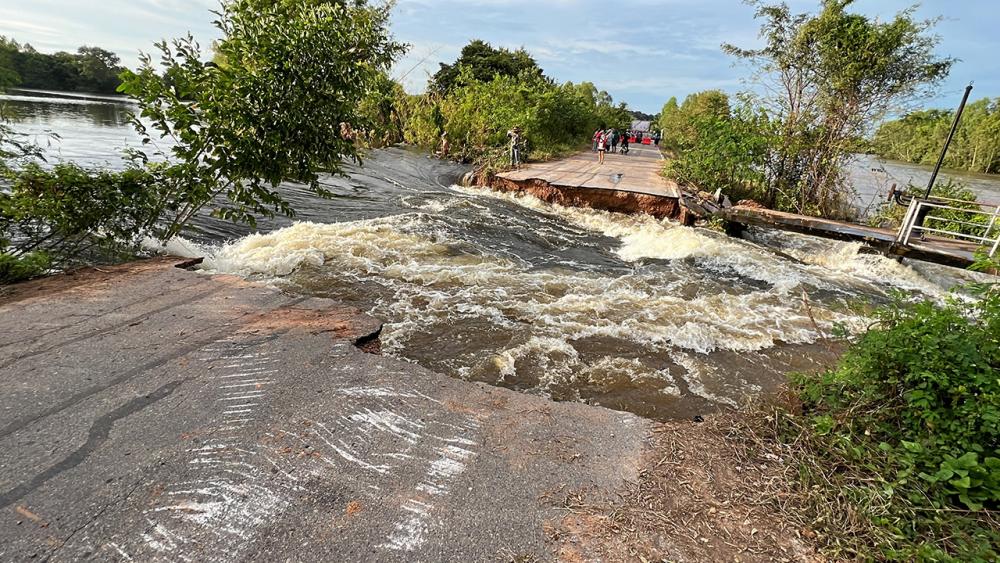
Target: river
622, 311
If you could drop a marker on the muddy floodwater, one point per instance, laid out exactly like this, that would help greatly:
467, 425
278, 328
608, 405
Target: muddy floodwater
578, 305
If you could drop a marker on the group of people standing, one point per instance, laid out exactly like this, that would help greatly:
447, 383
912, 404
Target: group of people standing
618, 141
611, 140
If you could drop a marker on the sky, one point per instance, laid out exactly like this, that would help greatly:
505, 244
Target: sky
641, 51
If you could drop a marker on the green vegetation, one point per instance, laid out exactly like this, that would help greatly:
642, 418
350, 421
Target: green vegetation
52, 218
488, 91
826, 77
715, 145
890, 215
90, 69
485, 63
239, 129
918, 137
277, 104
897, 450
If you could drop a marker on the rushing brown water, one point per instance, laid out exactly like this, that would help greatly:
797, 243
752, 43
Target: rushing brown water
622, 311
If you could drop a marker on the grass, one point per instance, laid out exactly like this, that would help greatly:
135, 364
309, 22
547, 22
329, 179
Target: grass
850, 511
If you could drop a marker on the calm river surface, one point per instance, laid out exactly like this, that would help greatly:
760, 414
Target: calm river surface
622, 311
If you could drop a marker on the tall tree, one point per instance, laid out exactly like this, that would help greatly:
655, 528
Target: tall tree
918, 136
826, 78
484, 62
9, 51
98, 69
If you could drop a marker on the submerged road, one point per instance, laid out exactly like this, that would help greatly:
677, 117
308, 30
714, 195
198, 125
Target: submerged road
152, 413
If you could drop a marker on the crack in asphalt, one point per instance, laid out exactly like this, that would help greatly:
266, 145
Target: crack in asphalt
99, 433
94, 519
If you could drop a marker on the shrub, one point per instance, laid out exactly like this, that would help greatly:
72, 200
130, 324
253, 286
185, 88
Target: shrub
14, 269
719, 149
914, 407
276, 104
51, 217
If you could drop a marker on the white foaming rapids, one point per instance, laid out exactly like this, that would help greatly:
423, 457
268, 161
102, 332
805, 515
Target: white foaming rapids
504, 311
643, 237
177, 246
432, 285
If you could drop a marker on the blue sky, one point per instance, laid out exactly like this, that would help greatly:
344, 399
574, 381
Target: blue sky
641, 51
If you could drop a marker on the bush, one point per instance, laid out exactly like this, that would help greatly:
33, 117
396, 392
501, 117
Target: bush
277, 103
721, 150
14, 269
51, 217
478, 115
484, 99
914, 406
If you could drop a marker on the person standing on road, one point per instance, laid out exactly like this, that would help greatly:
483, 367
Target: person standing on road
615, 136
602, 147
624, 144
597, 134
515, 146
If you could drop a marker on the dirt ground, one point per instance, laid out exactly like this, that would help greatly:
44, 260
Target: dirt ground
700, 498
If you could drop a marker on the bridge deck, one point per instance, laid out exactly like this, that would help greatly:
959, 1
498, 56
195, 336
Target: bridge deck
639, 172
933, 249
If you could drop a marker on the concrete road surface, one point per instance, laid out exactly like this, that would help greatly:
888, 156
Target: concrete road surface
637, 172
155, 414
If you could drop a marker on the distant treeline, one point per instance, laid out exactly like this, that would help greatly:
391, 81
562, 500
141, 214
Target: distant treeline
90, 69
919, 136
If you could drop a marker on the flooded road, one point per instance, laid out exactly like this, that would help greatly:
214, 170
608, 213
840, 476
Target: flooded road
577, 305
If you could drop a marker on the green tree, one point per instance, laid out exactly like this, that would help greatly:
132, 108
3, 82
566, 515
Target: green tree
484, 63
670, 122
724, 150
98, 69
281, 108
90, 69
384, 110
826, 77
9, 51
918, 137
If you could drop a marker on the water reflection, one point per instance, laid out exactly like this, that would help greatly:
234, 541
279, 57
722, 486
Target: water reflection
872, 177
89, 130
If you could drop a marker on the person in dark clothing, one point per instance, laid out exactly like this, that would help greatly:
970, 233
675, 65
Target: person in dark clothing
515, 146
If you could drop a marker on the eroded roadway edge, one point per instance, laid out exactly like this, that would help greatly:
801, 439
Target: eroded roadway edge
151, 413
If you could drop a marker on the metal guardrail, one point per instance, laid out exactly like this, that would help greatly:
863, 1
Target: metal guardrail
920, 216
